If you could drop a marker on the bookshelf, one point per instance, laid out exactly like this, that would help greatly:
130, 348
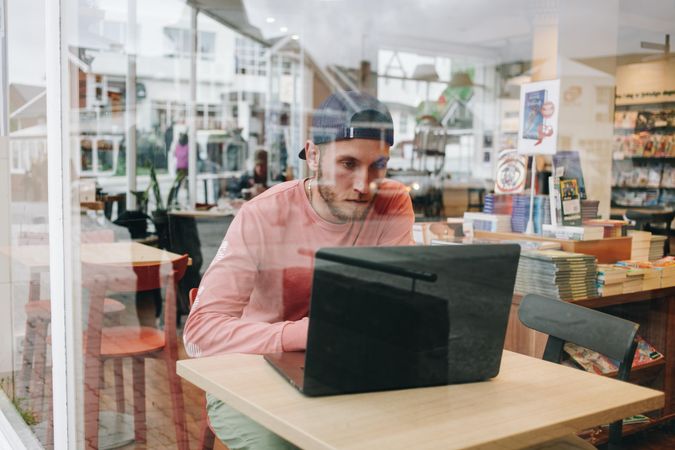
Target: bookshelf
643, 154
654, 311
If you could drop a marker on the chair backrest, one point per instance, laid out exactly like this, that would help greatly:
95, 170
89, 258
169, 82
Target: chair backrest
566, 322
100, 279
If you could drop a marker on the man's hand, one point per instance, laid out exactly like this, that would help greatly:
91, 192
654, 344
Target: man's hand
294, 335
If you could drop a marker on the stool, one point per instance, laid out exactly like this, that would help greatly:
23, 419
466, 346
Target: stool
476, 198
645, 219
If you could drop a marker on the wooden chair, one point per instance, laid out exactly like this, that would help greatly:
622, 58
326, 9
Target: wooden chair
207, 436
38, 318
136, 342
566, 322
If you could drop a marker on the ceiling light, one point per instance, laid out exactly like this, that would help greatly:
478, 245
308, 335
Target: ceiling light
283, 29
295, 37
270, 20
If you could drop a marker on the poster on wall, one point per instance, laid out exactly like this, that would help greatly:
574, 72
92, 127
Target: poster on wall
539, 105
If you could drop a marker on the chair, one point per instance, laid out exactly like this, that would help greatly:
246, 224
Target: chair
38, 318
566, 322
207, 436
476, 199
136, 342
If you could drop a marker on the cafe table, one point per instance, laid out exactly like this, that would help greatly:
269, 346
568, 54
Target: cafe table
531, 401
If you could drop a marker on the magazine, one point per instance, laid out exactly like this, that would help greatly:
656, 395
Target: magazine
567, 164
532, 117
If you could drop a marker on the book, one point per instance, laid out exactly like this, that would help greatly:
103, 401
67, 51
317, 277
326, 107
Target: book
583, 233
567, 164
570, 201
532, 117
554, 200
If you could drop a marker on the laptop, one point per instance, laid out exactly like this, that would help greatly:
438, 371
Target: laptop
385, 318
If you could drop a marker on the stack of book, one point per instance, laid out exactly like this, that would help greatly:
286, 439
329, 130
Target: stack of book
499, 223
657, 247
520, 214
542, 212
667, 267
610, 280
589, 209
634, 278
557, 274
498, 204
640, 245
613, 228
585, 233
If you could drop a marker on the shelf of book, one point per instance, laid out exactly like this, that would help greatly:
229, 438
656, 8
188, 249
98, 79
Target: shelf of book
600, 435
607, 250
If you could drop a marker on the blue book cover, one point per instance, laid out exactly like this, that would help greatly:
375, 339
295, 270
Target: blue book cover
532, 117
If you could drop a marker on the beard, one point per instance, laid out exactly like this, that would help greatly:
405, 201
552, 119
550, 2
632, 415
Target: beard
354, 213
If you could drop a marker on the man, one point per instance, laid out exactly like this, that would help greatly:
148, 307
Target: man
254, 298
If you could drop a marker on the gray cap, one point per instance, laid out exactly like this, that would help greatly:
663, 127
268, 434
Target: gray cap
351, 115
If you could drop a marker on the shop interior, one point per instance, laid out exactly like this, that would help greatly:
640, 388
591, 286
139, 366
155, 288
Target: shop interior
180, 112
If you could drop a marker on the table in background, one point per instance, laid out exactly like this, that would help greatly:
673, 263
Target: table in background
530, 401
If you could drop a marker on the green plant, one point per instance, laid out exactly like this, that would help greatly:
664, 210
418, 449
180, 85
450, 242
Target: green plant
173, 192
26, 414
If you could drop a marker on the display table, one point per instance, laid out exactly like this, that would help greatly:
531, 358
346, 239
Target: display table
607, 250
530, 401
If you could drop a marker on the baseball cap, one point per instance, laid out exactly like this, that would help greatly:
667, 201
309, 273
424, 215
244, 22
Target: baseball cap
351, 115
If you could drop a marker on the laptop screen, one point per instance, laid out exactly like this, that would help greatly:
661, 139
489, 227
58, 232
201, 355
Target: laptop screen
378, 321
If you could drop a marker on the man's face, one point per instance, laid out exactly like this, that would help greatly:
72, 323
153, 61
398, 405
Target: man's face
348, 173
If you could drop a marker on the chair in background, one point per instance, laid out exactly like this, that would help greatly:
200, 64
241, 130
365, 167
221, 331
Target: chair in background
116, 342
38, 319
566, 322
476, 199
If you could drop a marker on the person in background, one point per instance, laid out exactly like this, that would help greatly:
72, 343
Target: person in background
255, 183
254, 298
181, 152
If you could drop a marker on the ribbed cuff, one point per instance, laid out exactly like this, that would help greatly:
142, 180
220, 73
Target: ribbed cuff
294, 335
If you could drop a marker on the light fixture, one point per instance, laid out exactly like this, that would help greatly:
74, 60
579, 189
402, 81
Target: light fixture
270, 20
283, 29
295, 37
425, 72
461, 79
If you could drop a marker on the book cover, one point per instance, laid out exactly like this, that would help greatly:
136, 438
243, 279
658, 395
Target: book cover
511, 172
570, 201
532, 117
567, 164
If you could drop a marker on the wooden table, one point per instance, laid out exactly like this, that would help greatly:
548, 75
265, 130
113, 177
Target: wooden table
212, 213
36, 257
531, 401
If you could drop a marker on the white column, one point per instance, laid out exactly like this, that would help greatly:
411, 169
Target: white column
192, 112
130, 104
64, 328
4, 95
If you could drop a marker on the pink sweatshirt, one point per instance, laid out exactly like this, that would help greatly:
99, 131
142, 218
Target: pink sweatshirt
254, 297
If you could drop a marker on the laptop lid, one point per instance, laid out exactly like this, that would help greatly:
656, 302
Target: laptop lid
401, 317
